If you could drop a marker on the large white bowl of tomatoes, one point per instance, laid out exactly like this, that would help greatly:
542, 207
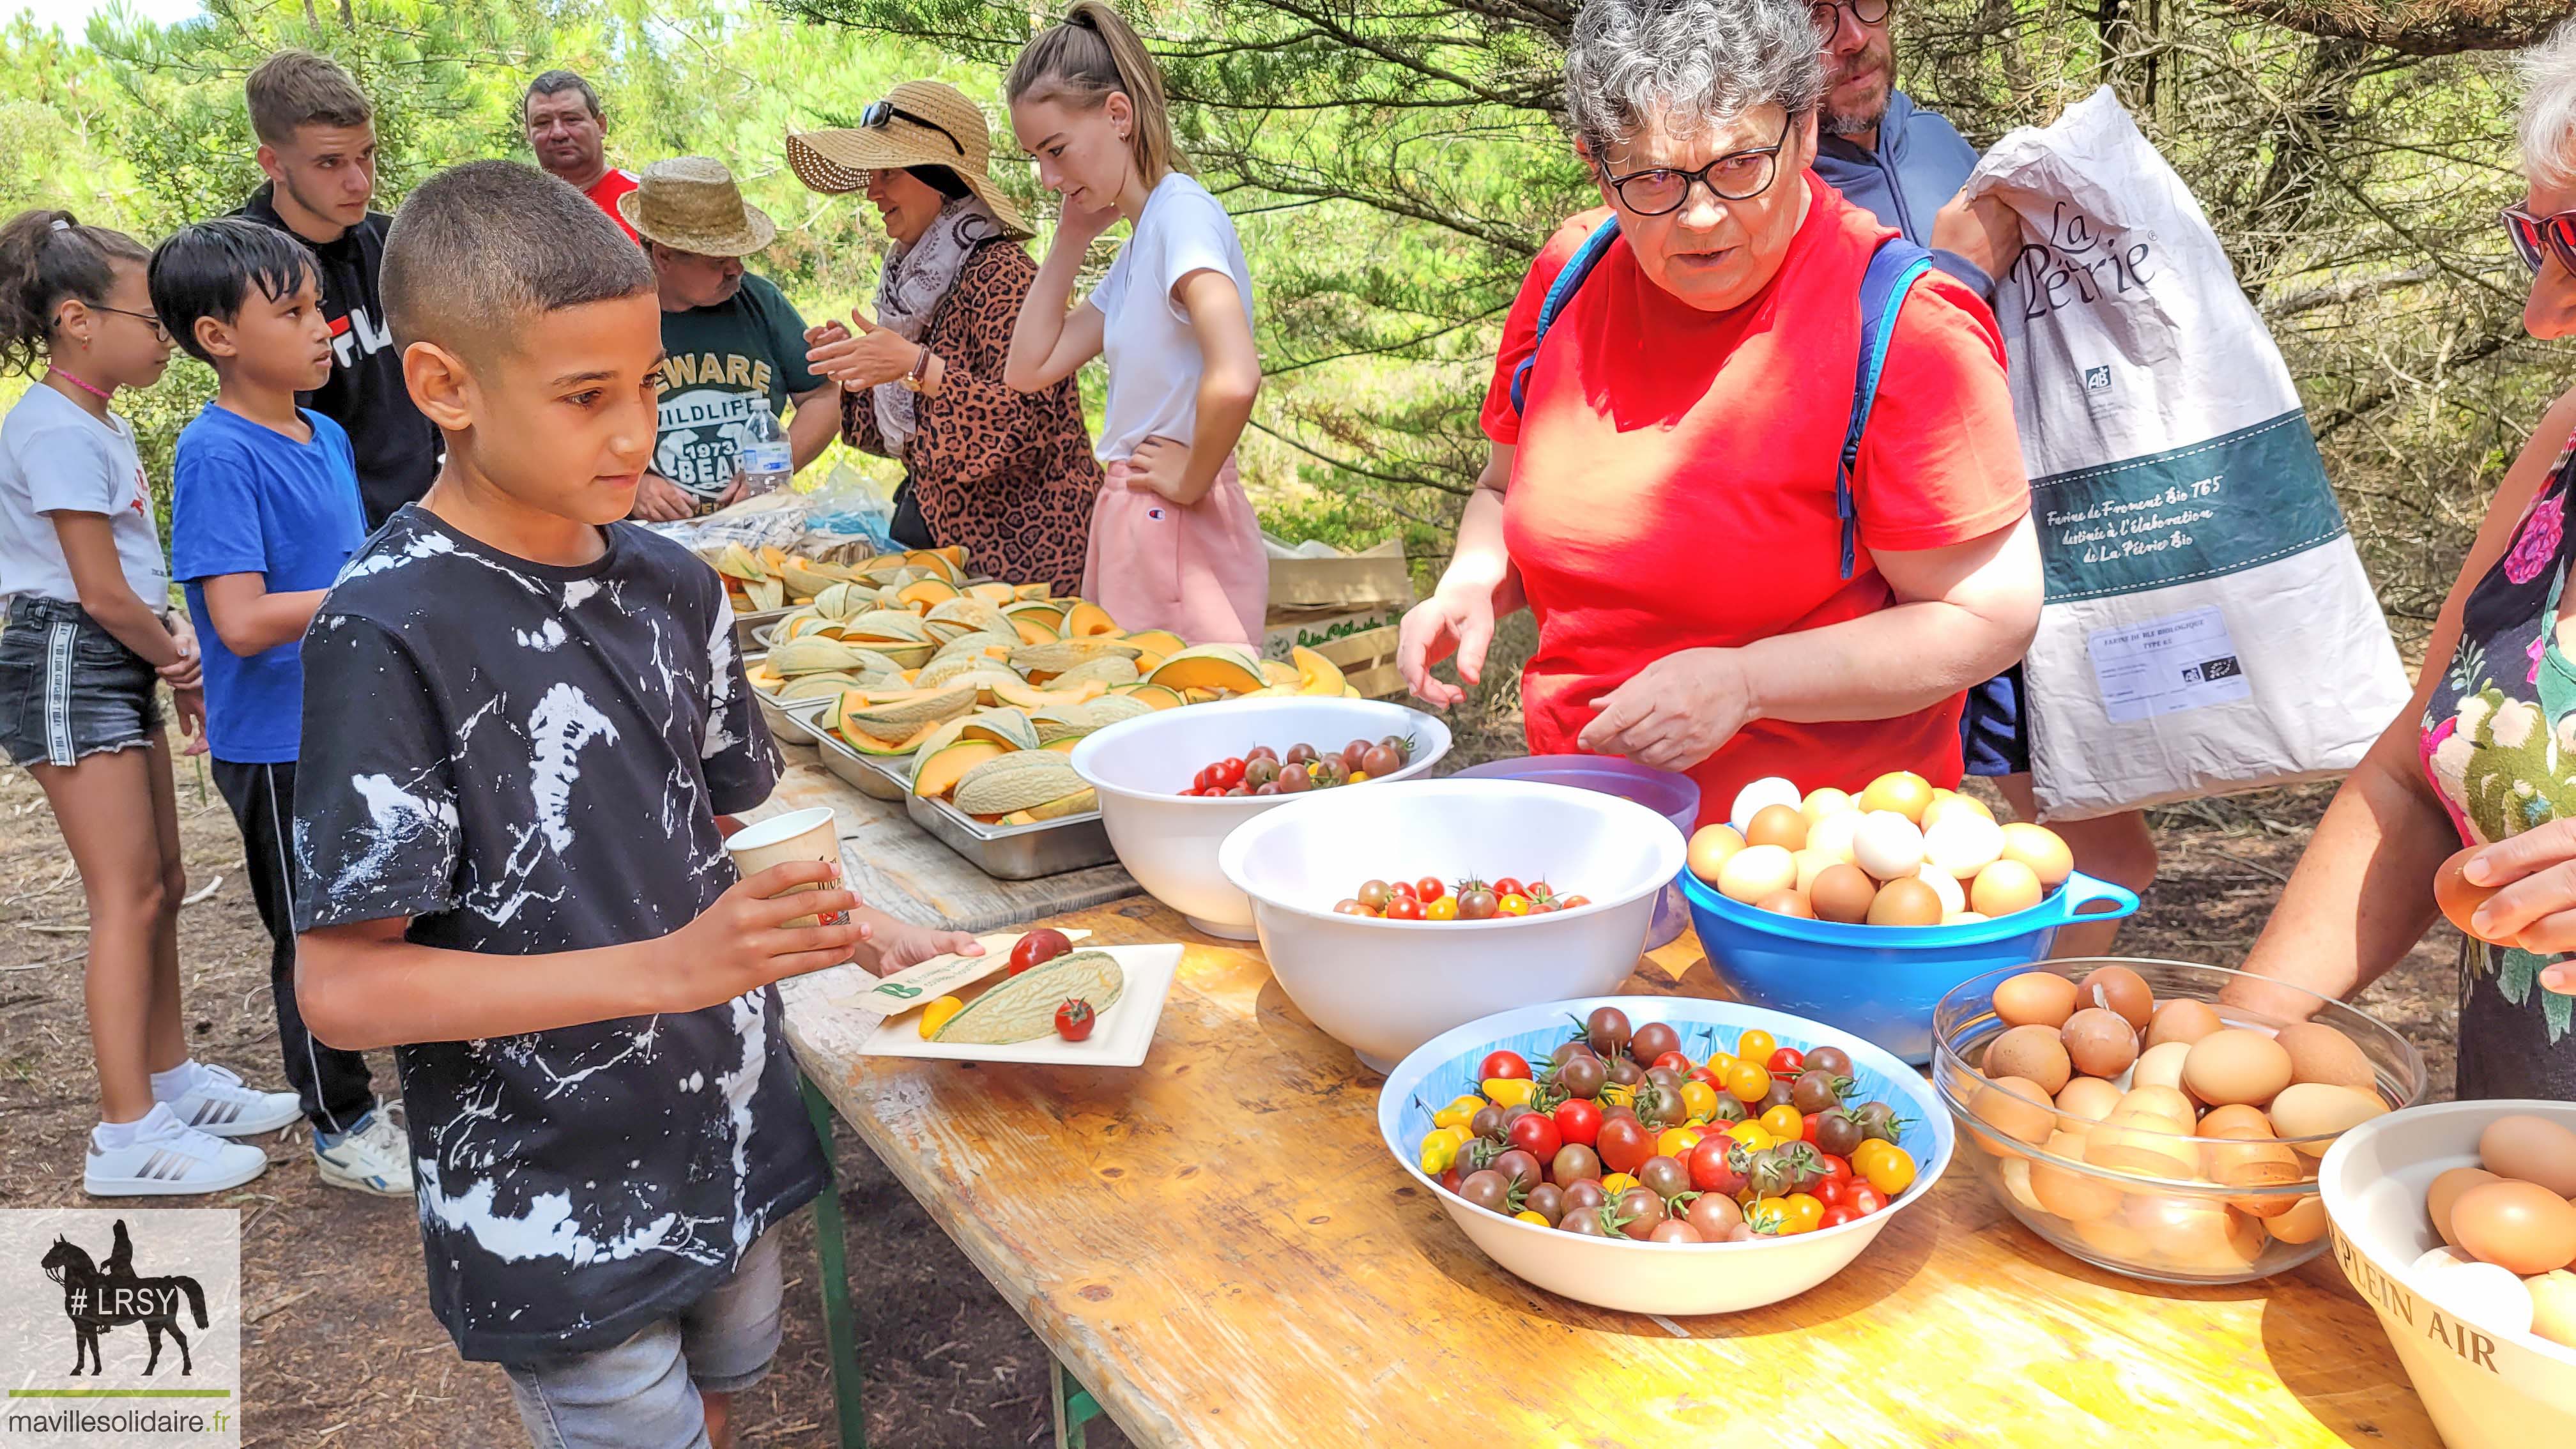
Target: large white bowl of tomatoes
1175, 783
1704, 1178
1384, 971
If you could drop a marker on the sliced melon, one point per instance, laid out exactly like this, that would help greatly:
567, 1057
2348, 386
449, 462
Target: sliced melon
1320, 675
1086, 620
992, 593
1032, 591
1159, 641
773, 558
1007, 726
1279, 672
908, 716
922, 593
870, 745
1080, 802
1029, 696
1228, 667
1160, 696
940, 772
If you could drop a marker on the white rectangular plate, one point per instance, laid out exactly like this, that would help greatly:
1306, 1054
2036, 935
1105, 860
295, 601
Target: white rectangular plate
1119, 1039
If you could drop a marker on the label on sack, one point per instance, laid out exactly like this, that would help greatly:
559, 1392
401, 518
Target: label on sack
2166, 665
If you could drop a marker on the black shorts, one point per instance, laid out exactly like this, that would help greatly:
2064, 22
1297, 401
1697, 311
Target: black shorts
68, 688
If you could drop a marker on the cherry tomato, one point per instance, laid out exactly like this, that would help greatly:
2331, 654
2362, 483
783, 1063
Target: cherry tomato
1567, 903
1405, 889
1710, 1169
1783, 1123
1260, 752
1348, 907
1721, 1063
1677, 1142
1504, 1064
1837, 1214
1509, 887
1536, 1135
1836, 1169
1747, 1082
1673, 1061
1379, 760
1044, 944
1073, 1019
1864, 1200
1430, 888
1756, 1046
1788, 1062
1475, 903
1229, 772
1805, 1213
1578, 1121
1891, 1172
1404, 908
1204, 778
1832, 1193
1542, 908
1443, 909
1703, 1074
1808, 1124
1374, 895
1538, 890
1624, 1145
1699, 1099
1511, 905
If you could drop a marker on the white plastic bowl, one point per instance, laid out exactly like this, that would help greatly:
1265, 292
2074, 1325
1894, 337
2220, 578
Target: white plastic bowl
1168, 841
1385, 987
1673, 1278
2484, 1386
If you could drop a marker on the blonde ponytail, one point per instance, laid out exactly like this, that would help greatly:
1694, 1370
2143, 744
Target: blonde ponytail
1085, 58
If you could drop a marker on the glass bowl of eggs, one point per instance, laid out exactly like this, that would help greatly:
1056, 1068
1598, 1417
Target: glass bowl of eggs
1860, 911
2161, 1119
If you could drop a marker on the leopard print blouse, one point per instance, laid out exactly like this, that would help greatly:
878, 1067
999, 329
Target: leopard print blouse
1008, 474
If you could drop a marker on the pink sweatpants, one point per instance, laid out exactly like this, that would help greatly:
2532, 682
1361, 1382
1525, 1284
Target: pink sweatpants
1198, 571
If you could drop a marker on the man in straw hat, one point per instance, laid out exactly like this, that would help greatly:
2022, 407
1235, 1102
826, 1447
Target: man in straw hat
731, 339
1006, 474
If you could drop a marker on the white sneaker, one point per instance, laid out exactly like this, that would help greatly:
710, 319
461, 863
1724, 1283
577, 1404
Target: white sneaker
169, 1158
375, 1158
220, 1104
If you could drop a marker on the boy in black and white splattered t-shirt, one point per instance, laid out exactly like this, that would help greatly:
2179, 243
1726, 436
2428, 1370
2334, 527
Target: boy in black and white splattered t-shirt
523, 720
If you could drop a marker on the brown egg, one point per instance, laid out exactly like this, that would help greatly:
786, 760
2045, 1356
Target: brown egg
2016, 1107
1779, 825
2251, 1157
2166, 1104
2235, 1121
2035, 998
2160, 1066
2520, 1226
2530, 1149
2003, 888
2195, 1234
2099, 1042
2446, 1190
1842, 893
1786, 903
1902, 791
2236, 1066
2031, 1052
2319, 1112
2147, 1146
2120, 989
1711, 847
2319, 1053
2458, 899
2039, 847
1905, 901
2078, 1197
2184, 1020
2113, 1238
2305, 1222
2085, 1101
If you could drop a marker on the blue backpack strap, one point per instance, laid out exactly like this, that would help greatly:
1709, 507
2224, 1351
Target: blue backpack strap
1560, 292
1892, 270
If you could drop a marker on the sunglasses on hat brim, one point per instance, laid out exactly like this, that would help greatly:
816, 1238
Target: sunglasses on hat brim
881, 113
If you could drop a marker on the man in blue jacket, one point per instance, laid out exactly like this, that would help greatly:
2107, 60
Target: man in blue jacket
1906, 167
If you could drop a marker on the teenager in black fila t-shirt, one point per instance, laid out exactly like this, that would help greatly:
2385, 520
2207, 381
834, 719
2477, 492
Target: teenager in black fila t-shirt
317, 142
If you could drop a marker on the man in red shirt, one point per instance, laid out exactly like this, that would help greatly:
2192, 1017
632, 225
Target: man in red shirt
1663, 495
570, 138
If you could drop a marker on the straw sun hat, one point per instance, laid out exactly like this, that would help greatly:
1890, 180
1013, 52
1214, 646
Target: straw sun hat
690, 204
919, 123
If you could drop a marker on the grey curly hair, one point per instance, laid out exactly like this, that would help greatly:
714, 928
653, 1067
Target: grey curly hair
2547, 120
1707, 61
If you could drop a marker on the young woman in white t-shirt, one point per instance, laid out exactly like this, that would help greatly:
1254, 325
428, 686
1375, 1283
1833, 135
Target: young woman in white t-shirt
90, 637
1173, 541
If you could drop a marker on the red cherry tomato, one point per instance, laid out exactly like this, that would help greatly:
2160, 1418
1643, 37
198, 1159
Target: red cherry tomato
1710, 1171
1405, 888
1567, 903
1507, 1066
1429, 888
1863, 1200
1831, 1191
1624, 1145
1807, 1126
1578, 1120
1836, 1214
1204, 778
1788, 1062
1403, 908
1542, 908
1673, 1060
1509, 887
1703, 1074
1073, 1019
1837, 1169
1230, 772
1044, 944
1536, 1135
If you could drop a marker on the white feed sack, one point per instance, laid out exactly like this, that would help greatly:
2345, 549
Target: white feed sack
2208, 626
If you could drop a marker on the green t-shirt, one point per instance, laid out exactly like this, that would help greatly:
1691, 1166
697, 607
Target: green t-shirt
718, 360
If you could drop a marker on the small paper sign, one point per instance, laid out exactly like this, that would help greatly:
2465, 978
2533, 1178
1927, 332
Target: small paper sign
915, 985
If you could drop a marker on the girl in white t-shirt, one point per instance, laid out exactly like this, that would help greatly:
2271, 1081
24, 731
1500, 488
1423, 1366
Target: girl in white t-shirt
1173, 541
90, 637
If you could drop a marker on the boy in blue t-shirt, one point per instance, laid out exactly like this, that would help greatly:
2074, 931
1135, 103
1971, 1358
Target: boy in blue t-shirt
264, 515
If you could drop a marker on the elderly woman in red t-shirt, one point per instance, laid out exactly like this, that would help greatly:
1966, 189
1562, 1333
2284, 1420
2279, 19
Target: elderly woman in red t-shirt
1664, 497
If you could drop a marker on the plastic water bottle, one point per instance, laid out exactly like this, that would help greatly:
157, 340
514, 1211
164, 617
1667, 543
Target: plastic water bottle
767, 462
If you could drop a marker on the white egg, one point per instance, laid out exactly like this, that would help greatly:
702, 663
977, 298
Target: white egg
2434, 1261
1887, 845
1963, 918
1946, 886
1962, 843
1769, 790
2481, 1294
1833, 835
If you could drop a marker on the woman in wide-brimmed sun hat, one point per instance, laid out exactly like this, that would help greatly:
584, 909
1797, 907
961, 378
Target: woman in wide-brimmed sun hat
1007, 474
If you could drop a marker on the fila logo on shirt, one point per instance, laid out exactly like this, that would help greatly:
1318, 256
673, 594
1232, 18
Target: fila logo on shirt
357, 335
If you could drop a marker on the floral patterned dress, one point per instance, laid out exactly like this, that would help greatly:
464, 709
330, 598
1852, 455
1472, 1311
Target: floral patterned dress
2500, 745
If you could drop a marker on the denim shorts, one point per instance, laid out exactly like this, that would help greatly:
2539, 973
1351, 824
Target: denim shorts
643, 1393
1992, 735
68, 689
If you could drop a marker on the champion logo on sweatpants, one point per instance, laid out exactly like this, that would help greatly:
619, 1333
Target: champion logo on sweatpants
1155, 513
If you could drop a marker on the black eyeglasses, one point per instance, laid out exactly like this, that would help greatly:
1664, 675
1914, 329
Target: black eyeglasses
2537, 237
146, 318
1736, 176
1867, 12
879, 113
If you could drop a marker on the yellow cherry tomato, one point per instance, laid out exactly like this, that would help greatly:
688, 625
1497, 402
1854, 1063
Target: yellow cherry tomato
1512, 906
1868, 1151
1751, 1134
1769, 1216
1446, 909
1509, 1091
1460, 1111
1525, 1215
1748, 1082
1784, 1122
1756, 1047
1699, 1099
1676, 1142
1617, 1183
1439, 1150
1806, 1210
1891, 1172
1358, 775
936, 1015
1613, 1094
1720, 1064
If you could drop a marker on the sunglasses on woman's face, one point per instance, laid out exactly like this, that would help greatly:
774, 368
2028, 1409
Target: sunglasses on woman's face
2536, 237
879, 113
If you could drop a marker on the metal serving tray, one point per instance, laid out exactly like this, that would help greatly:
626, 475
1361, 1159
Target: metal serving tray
788, 722
878, 778
1018, 852
751, 631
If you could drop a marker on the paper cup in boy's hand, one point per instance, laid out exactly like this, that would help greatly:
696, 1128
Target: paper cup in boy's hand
807, 834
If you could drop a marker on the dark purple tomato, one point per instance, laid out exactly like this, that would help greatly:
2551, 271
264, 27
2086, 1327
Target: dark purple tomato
1814, 1092
1295, 781
1665, 1177
1838, 1133
1378, 760
1675, 1230
1666, 1080
1653, 1040
1574, 1163
1567, 1050
1520, 1168
1488, 1122
1476, 905
1548, 1201
1625, 1072
1607, 1028
1584, 1195
1272, 788
1713, 1214
1584, 1223
1582, 1076
1833, 1061
1298, 754
1487, 1189
1642, 1209
1356, 751
1778, 1096
1258, 772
